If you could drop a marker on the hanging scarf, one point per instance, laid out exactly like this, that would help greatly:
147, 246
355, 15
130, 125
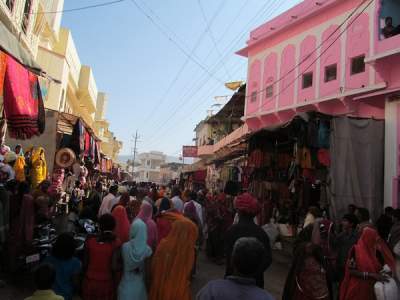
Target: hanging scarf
3, 58
39, 167
137, 247
19, 168
23, 104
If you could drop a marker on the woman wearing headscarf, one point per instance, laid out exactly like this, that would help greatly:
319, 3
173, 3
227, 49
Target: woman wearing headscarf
121, 223
172, 263
134, 254
101, 251
146, 215
364, 267
167, 217
308, 277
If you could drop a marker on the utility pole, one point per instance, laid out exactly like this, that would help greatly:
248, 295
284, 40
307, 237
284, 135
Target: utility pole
134, 154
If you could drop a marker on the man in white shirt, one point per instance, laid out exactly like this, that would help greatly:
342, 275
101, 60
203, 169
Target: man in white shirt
108, 201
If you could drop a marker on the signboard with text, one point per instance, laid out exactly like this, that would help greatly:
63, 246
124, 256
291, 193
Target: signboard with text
189, 151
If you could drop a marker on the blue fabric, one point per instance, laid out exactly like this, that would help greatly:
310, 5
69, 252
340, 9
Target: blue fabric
323, 135
65, 270
134, 254
233, 288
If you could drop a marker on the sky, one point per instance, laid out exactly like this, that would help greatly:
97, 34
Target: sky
162, 64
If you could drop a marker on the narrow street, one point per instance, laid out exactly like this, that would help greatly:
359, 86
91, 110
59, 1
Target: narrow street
274, 278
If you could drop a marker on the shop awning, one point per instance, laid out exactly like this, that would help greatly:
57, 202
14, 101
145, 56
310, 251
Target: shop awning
10, 44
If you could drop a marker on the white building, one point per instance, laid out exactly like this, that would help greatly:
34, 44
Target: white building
149, 168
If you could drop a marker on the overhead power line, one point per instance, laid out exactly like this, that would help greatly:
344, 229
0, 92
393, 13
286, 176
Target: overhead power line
213, 40
184, 65
173, 41
77, 8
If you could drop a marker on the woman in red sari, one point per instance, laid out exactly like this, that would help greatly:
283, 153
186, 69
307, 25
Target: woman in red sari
101, 252
366, 260
122, 223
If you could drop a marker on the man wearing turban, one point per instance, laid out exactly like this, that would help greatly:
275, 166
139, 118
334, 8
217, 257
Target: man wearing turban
247, 207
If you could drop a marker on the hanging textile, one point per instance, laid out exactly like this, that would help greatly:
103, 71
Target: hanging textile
97, 157
3, 58
39, 167
78, 138
87, 143
357, 165
19, 168
23, 103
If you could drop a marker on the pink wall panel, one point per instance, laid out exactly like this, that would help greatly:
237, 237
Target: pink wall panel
358, 36
286, 90
254, 87
270, 76
307, 57
331, 55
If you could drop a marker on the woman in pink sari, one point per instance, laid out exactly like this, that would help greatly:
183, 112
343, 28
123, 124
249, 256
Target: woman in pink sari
122, 223
146, 215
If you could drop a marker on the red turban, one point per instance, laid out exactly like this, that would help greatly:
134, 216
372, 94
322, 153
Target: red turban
247, 203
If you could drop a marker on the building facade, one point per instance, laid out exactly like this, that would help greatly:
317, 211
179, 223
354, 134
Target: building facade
149, 169
329, 56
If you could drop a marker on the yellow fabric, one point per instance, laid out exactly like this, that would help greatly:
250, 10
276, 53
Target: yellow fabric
44, 295
19, 168
173, 262
39, 167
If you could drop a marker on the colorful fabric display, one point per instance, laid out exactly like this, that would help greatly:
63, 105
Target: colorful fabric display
23, 103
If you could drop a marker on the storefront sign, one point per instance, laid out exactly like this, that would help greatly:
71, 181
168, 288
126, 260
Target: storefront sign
189, 151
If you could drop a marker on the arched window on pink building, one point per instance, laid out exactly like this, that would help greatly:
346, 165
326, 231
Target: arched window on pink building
286, 90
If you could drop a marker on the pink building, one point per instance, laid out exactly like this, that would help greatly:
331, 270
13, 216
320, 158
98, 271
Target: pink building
329, 56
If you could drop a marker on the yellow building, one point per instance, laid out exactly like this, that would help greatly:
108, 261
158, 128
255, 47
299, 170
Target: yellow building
54, 50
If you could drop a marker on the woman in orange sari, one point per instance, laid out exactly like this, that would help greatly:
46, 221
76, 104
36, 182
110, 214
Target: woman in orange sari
364, 266
172, 263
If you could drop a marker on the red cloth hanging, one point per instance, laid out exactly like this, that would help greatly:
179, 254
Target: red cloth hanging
23, 103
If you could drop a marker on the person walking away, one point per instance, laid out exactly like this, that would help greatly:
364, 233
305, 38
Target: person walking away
394, 240
146, 215
343, 244
68, 268
167, 218
94, 200
42, 202
190, 212
100, 262
108, 201
172, 263
308, 277
45, 276
199, 207
241, 285
134, 256
364, 266
247, 207
385, 223
122, 223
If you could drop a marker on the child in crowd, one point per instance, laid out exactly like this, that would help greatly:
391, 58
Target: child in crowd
45, 276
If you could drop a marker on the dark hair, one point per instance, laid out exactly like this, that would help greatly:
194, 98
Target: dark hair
388, 18
176, 192
362, 214
389, 210
352, 219
64, 247
107, 222
315, 211
396, 214
77, 183
193, 196
113, 189
246, 256
24, 188
45, 275
99, 185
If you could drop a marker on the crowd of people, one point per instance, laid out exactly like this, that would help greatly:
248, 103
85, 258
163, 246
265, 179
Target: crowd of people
356, 261
149, 237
